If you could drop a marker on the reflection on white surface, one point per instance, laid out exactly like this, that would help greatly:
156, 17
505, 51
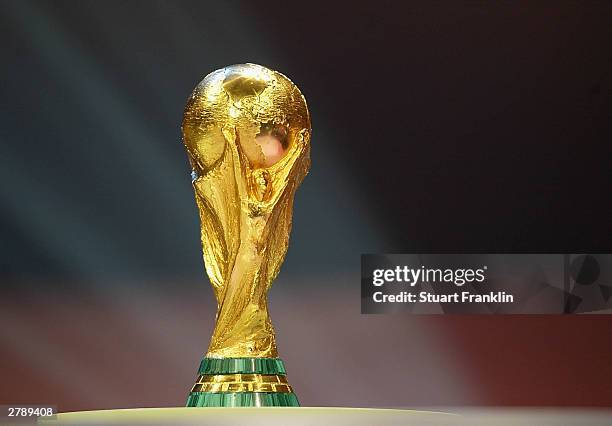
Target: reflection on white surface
336, 416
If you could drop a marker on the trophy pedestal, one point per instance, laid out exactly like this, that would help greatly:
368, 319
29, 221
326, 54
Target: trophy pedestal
255, 416
242, 382
324, 416
242, 399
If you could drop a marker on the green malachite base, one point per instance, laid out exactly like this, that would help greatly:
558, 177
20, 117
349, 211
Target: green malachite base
242, 366
237, 366
242, 399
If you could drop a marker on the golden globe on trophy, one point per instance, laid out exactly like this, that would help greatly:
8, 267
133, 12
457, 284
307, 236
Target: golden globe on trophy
247, 131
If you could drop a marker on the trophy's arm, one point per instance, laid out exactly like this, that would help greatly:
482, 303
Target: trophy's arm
243, 327
277, 234
286, 176
219, 207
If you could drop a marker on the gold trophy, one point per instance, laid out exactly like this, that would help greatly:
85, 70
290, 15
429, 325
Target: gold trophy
247, 131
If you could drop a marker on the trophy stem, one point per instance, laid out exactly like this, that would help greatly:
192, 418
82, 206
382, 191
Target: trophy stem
242, 382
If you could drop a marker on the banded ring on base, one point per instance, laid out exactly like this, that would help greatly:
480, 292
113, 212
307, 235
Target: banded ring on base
242, 382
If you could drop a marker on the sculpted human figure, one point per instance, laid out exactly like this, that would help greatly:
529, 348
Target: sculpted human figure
247, 131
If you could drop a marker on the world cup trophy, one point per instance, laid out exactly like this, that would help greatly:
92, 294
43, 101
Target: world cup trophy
247, 131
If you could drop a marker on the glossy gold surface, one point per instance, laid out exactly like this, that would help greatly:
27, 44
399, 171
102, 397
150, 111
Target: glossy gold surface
241, 383
247, 133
